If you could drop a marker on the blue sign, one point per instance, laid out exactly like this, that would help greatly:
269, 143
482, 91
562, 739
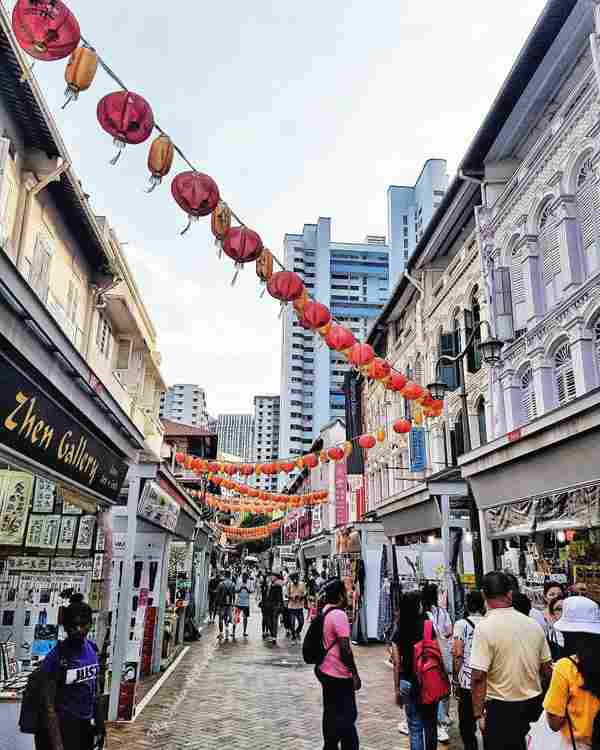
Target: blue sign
418, 449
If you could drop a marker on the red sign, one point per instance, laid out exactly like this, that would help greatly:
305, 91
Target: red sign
514, 435
341, 499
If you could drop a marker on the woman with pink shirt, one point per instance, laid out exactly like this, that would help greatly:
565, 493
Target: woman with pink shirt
337, 672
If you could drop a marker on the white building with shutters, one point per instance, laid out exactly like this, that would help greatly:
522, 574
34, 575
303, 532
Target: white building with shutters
539, 238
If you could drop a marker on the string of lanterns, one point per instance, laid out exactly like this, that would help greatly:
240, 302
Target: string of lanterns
47, 30
242, 505
249, 533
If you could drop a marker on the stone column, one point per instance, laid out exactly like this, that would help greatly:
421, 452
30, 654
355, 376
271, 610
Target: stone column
583, 355
532, 278
512, 400
543, 382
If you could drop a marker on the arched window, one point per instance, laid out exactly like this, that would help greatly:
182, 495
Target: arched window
588, 208
550, 247
517, 286
564, 375
528, 402
481, 422
475, 355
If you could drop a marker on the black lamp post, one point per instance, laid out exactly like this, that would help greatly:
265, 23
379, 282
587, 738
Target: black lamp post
490, 350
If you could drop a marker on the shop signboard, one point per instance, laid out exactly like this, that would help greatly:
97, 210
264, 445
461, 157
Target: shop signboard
341, 496
35, 425
418, 451
158, 507
353, 403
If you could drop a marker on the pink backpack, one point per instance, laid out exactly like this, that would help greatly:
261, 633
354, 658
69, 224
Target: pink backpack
429, 668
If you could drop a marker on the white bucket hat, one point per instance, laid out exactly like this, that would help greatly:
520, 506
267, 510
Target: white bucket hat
579, 615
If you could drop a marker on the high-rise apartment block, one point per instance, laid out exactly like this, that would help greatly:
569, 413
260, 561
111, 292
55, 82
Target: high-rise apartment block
266, 437
352, 279
409, 212
185, 403
236, 435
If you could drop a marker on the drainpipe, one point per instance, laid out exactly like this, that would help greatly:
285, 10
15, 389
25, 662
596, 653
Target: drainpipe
54, 176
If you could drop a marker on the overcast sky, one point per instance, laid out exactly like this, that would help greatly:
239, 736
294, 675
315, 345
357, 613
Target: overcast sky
297, 111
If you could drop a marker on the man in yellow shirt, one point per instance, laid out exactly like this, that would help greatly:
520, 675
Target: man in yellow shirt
296, 604
510, 659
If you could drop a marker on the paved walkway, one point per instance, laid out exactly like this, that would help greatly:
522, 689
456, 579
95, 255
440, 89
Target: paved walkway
249, 694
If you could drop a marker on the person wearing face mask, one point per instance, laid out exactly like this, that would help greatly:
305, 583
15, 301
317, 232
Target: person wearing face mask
553, 592
70, 698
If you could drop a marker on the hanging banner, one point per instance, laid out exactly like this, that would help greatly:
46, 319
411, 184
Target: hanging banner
418, 450
341, 499
158, 507
353, 395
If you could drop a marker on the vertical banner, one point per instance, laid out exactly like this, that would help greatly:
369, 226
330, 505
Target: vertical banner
418, 450
341, 500
354, 420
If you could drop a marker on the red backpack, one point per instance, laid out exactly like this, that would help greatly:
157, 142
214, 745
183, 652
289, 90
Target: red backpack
429, 668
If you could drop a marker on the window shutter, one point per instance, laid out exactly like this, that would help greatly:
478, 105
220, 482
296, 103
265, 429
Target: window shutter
448, 372
528, 402
4, 185
39, 273
564, 374
459, 435
588, 205
123, 354
505, 324
549, 242
516, 277
473, 364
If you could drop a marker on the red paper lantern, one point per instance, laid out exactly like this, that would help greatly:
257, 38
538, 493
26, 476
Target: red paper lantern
339, 338
217, 480
196, 193
213, 468
252, 492
45, 29
180, 458
311, 460
285, 286
336, 454
367, 441
378, 369
316, 315
402, 426
246, 470
243, 245
127, 117
396, 382
361, 355
286, 467
412, 391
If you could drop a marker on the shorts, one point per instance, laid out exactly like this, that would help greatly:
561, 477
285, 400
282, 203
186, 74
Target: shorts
226, 613
244, 611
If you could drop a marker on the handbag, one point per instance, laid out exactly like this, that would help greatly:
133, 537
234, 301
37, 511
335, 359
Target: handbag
542, 737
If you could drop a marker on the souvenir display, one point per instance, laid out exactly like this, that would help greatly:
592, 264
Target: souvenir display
85, 537
68, 530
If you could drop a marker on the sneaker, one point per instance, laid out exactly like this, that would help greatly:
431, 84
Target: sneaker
403, 727
443, 734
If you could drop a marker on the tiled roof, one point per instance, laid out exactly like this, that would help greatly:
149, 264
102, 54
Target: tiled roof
178, 429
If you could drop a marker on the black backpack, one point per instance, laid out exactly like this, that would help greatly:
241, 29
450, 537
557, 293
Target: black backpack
31, 717
313, 647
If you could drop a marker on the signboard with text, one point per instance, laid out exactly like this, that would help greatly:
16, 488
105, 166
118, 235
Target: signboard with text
35, 425
418, 450
341, 499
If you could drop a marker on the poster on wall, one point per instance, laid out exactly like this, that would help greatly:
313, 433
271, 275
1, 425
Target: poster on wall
85, 536
418, 450
68, 531
157, 506
43, 531
15, 501
44, 495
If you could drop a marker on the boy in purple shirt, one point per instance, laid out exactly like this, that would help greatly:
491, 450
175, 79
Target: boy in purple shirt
71, 697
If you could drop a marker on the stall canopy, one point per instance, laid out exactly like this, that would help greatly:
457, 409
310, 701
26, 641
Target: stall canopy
414, 519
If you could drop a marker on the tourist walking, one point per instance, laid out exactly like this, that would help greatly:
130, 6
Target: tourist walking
337, 673
510, 661
274, 604
443, 627
213, 585
410, 630
296, 605
242, 603
69, 702
463, 639
553, 592
262, 601
225, 598
574, 693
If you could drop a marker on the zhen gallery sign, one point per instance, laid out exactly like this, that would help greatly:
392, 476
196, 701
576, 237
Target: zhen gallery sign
36, 426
